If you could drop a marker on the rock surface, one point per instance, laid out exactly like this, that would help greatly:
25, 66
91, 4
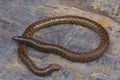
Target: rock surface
16, 15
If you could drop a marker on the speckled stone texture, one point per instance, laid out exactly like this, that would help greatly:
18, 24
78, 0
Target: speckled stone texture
17, 15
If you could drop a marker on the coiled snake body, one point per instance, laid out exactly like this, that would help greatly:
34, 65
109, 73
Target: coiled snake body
26, 39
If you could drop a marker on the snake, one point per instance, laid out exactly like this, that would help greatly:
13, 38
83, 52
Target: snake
26, 40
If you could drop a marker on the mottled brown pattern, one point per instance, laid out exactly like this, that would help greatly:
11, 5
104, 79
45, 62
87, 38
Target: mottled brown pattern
26, 39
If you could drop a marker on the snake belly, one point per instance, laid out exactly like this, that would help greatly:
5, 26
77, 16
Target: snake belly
26, 40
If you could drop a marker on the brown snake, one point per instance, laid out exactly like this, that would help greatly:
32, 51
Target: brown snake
26, 39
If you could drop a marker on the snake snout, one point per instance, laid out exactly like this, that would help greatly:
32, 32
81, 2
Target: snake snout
16, 38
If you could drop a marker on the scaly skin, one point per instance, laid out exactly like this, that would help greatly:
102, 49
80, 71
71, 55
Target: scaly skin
26, 39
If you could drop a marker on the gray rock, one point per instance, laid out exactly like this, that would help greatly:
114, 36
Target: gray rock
17, 15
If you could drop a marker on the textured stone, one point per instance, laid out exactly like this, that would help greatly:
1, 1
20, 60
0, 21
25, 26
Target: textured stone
16, 15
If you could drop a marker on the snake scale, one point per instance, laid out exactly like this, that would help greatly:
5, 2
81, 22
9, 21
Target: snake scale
26, 40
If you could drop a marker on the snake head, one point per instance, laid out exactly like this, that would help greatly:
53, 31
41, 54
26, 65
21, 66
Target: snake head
19, 39
15, 38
